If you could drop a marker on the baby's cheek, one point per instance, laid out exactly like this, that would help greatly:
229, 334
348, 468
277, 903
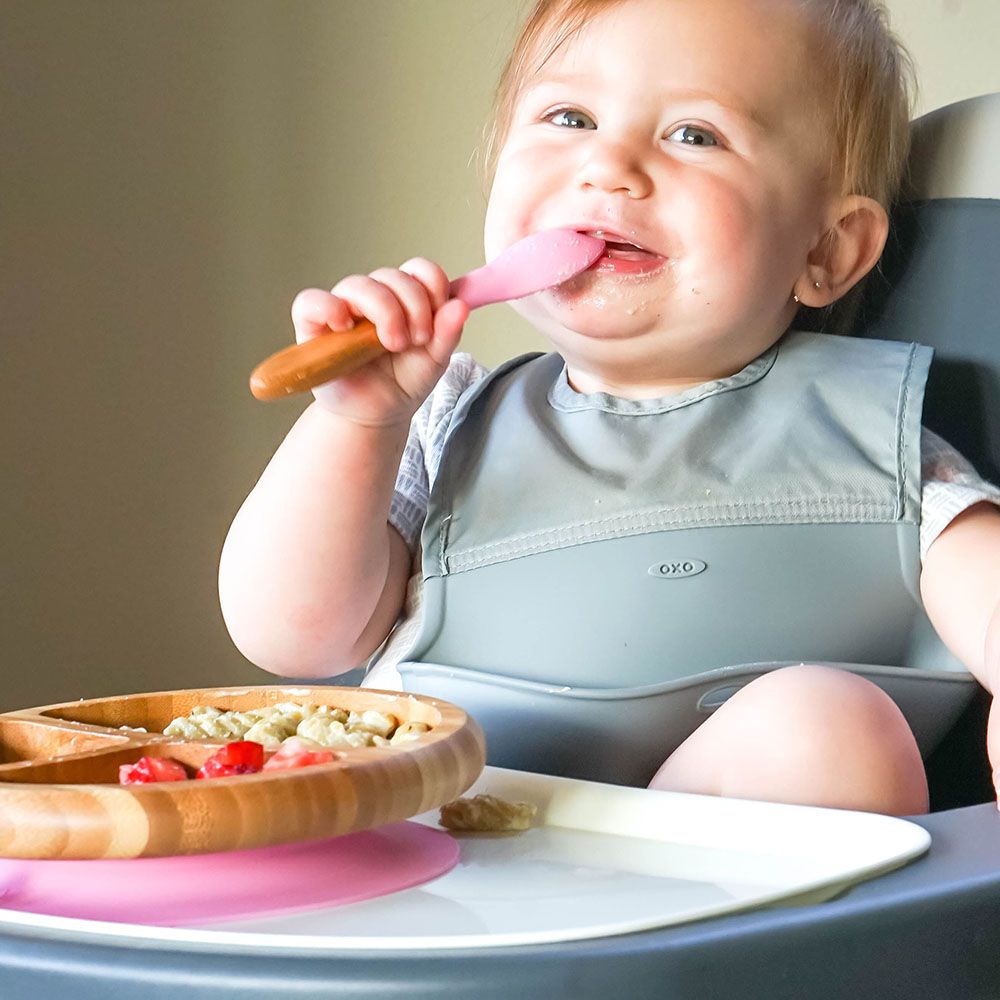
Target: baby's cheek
728, 226
517, 189
743, 247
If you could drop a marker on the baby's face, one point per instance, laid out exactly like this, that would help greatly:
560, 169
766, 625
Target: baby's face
687, 128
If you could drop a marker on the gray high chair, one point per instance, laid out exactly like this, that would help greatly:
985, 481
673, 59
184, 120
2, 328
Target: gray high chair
930, 931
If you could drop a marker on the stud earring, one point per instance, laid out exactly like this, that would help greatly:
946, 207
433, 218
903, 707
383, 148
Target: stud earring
795, 298
817, 284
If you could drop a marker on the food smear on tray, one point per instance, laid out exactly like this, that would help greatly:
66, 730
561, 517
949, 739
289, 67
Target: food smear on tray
487, 814
271, 725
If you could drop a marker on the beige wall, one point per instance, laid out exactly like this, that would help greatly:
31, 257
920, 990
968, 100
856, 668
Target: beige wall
954, 44
172, 173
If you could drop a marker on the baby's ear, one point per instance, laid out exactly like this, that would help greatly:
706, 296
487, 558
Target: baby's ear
846, 252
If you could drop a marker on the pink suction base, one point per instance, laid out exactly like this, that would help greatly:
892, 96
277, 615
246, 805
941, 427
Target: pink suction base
202, 888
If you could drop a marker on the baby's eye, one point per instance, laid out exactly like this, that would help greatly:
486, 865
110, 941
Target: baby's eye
692, 135
570, 118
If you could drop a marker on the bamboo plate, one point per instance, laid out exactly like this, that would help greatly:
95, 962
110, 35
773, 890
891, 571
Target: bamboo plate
60, 797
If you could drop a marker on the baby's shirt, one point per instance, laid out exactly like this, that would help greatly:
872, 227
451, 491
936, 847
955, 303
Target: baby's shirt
949, 486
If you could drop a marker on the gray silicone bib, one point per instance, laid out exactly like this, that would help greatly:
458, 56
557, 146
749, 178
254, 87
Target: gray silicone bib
600, 574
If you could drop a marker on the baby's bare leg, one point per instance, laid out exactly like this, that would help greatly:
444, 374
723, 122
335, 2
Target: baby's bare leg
807, 734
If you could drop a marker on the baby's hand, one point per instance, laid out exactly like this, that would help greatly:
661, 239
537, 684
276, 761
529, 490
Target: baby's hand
416, 322
993, 744
992, 660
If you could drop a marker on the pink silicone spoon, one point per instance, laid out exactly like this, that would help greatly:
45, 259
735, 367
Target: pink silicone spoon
538, 261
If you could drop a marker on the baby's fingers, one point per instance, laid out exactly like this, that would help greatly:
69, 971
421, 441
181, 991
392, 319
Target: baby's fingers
315, 311
448, 324
449, 314
432, 277
417, 303
395, 302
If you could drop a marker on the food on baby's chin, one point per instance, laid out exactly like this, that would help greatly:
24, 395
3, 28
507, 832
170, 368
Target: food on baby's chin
325, 725
487, 814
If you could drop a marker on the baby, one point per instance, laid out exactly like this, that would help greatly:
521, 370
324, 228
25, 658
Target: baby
738, 156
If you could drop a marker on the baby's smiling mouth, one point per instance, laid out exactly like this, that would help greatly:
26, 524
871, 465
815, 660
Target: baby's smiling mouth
624, 251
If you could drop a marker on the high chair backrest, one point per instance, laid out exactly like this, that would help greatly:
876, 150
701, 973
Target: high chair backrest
939, 280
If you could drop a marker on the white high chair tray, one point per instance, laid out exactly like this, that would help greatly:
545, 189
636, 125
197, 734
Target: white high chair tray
601, 860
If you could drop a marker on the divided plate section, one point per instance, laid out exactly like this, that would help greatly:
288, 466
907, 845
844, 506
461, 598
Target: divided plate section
25, 740
155, 711
60, 797
101, 768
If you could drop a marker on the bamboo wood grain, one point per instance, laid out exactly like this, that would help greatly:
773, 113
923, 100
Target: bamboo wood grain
59, 796
304, 366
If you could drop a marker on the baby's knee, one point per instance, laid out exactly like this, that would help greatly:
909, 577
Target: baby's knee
857, 747
836, 711
815, 694
808, 734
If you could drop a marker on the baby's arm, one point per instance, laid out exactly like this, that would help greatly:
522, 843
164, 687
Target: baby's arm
960, 586
312, 576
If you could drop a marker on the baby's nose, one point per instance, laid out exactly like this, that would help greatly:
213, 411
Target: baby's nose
614, 168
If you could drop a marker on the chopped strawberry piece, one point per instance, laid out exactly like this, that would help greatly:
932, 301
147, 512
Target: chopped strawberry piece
240, 757
149, 769
294, 753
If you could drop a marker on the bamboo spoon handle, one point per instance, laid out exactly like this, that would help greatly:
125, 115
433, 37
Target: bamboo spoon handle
300, 367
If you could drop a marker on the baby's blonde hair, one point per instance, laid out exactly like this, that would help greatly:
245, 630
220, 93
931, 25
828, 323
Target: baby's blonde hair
868, 71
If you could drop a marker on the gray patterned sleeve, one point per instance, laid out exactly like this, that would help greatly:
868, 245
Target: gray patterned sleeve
424, 446
950, 486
